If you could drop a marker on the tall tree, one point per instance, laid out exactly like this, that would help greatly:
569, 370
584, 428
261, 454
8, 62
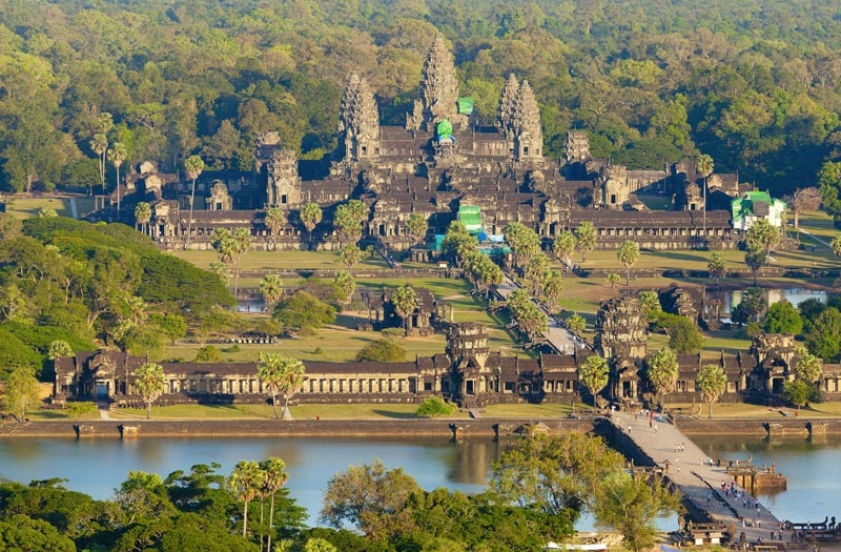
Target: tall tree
705, 166
275, 220
804, 199
405, 301
417, 226
99, 145
246, 481
628, 255
755, 258
142, 215
662, 372
310, 217
553, 287
576, 324
716, 266
594, 373
807, 366
118, 153
835, 244
371, 499
536, 270
275, 476
274, 370
350, 254
585, 238
194, 167
150, 383
762, 235
524, 242
21, 393
241, 243
564, 246
271, 288
711, 383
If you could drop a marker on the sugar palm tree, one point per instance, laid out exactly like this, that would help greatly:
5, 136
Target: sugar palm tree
711, 382
194, 167
142, 215
271, 288
241, 243
246, 480
310, 217
405, 301
118, 154
150, 382
705, 167
99, 145
275, 220
275, 477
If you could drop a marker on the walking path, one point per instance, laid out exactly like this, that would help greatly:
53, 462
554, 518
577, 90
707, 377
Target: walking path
73, 211
698, 478
557, 335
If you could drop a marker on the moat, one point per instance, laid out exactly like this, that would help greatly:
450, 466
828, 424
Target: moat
96, 466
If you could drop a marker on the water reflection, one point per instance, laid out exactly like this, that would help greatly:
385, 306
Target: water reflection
795, 296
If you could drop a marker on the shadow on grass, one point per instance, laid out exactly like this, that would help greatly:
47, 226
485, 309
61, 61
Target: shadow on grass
50, 415
396, 415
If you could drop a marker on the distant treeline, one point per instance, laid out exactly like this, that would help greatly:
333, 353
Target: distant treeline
756, 84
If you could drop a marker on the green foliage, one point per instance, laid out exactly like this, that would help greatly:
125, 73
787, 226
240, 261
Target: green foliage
798, 392
559, 474
711, 382
435, 406
628, 254
21, 393
208, 354
149, 382
662, 371
782, 317
382, 350
824, 337
280, 374
303, 310
594, 373
79, 409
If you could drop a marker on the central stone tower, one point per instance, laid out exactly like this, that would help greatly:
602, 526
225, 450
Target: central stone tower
439, 91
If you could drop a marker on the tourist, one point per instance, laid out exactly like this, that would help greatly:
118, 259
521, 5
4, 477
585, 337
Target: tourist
629, 430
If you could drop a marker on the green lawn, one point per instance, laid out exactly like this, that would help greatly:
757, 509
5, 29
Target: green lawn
280, 260
26, 207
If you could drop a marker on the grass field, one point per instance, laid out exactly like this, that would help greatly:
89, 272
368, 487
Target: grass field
284, 260
29, 207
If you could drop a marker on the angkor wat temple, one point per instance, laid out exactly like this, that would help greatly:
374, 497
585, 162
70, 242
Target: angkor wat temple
441, 160
467, 372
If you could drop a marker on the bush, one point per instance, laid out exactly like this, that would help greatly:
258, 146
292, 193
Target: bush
435, 406
382, 350
304, 311
208, 354
79, 409
393, 332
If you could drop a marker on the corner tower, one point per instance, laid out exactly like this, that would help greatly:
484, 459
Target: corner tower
359, 125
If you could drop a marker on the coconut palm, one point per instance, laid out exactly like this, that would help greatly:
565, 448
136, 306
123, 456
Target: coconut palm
274, 478
246, 480
275, 220
118, 154
150, 382
271, 288
194, 167
241, 238
99, 145
142, 215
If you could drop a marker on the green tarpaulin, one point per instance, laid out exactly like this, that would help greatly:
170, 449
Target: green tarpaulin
465, 106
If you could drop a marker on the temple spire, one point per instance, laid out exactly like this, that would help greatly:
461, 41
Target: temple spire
439, 90
359, 125
505, 110
528, 136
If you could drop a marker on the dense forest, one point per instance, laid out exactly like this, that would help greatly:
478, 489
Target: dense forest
756, 84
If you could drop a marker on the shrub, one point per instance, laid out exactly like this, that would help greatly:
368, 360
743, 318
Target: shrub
208, 353
382, 350
304, 311
435, 406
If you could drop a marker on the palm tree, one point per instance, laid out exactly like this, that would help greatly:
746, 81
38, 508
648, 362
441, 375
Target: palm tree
241, 243
194, 167
271, 371
711, 383
705, 167
350, 254
594, 373
275, 477
150, 382
274, 221
628, 255
310, 217
142, 215
271, 288
290, 381
246, 480
405, 301
663, 371
118, 154
99, 145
